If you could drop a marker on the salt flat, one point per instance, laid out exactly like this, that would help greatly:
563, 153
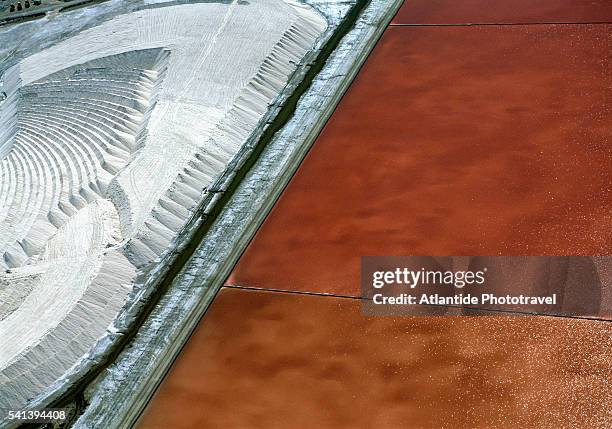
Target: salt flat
108, 140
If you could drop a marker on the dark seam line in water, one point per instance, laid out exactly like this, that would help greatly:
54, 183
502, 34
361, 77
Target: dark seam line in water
332, 295
294, 292
502, 24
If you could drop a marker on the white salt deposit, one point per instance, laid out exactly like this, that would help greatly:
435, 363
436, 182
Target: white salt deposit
108, 139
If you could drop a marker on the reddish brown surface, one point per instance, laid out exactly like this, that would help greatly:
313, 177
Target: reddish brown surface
262, 360
452, 141
503, 11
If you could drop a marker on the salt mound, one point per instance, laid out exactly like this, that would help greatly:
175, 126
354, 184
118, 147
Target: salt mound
108, 140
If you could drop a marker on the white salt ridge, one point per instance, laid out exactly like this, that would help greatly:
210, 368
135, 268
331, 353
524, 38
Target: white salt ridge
65, 158
108, 141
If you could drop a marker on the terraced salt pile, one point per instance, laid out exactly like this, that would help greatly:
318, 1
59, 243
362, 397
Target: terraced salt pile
108, 140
